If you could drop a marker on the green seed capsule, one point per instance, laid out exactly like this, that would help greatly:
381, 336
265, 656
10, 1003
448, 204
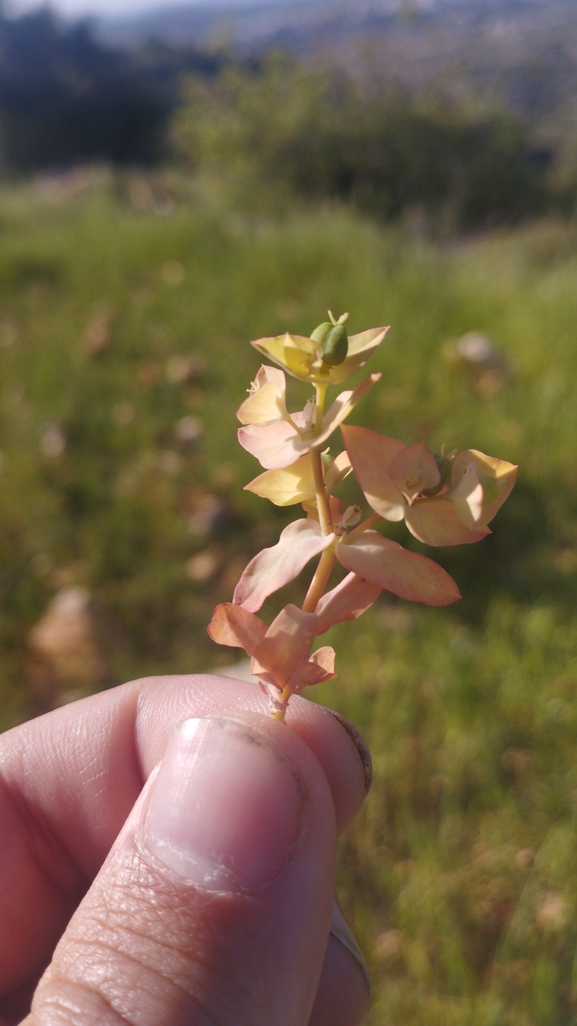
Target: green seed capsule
334, 342
319, 334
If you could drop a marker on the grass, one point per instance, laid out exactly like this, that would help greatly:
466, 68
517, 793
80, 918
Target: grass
123, 345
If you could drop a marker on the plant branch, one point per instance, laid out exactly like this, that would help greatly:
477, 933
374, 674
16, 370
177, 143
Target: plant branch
369, 522
321, 392
324, 509
279, 714
320, 580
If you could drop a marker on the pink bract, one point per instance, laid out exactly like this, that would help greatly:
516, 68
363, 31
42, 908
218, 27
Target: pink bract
281, 440
279, 652
375, 559
395, 480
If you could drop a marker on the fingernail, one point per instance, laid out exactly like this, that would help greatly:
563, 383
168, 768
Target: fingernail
227, 808
341, 931
360, 745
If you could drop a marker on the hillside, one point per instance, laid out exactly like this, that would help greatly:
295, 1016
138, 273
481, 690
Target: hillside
523, 51
506, 28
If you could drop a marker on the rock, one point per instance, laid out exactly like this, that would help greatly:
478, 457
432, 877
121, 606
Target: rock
63, 645
478, 356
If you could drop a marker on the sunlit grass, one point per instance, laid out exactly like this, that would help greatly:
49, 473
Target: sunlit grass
460, 872
120, 473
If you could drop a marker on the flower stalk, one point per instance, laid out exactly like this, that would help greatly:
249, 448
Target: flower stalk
325, 567
323, 507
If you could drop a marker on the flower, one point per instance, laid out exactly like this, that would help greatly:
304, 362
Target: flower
444, 501
373, 558
303, 357
278, 438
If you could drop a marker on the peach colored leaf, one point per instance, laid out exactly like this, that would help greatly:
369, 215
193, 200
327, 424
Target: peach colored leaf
310, 508
295, 353
467, 497
287, 642
342, 406
272, 568
301, 357
324, 657
352, 597
339, 469
273, 348
407, 574
274, 444
413, 470
361, 347
278, 444
366, 340
371, 455
232, 625
319, 668
286, 486
266, 401
496, 476
436, 522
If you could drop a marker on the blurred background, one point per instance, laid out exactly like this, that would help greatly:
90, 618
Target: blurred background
176, 180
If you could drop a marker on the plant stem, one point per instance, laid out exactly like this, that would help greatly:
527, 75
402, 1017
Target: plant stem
369, 522
327, 560
279, 714
320, 580
323, 506
321, 392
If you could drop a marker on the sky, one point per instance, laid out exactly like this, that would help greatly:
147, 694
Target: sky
78, 8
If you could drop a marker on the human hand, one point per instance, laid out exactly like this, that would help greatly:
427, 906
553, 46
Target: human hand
197, 893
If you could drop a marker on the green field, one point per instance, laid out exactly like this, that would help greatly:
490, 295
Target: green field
126, 308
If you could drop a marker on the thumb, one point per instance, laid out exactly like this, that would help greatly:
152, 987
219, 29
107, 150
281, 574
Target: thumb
214, 905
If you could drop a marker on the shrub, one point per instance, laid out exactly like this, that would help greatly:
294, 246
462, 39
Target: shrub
318, 133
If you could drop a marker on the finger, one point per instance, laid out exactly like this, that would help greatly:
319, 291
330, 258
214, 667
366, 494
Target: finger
347, 765
215, 903
344, 988
72, 777
342, 996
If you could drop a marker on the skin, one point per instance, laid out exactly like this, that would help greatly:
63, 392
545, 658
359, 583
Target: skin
114, 936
